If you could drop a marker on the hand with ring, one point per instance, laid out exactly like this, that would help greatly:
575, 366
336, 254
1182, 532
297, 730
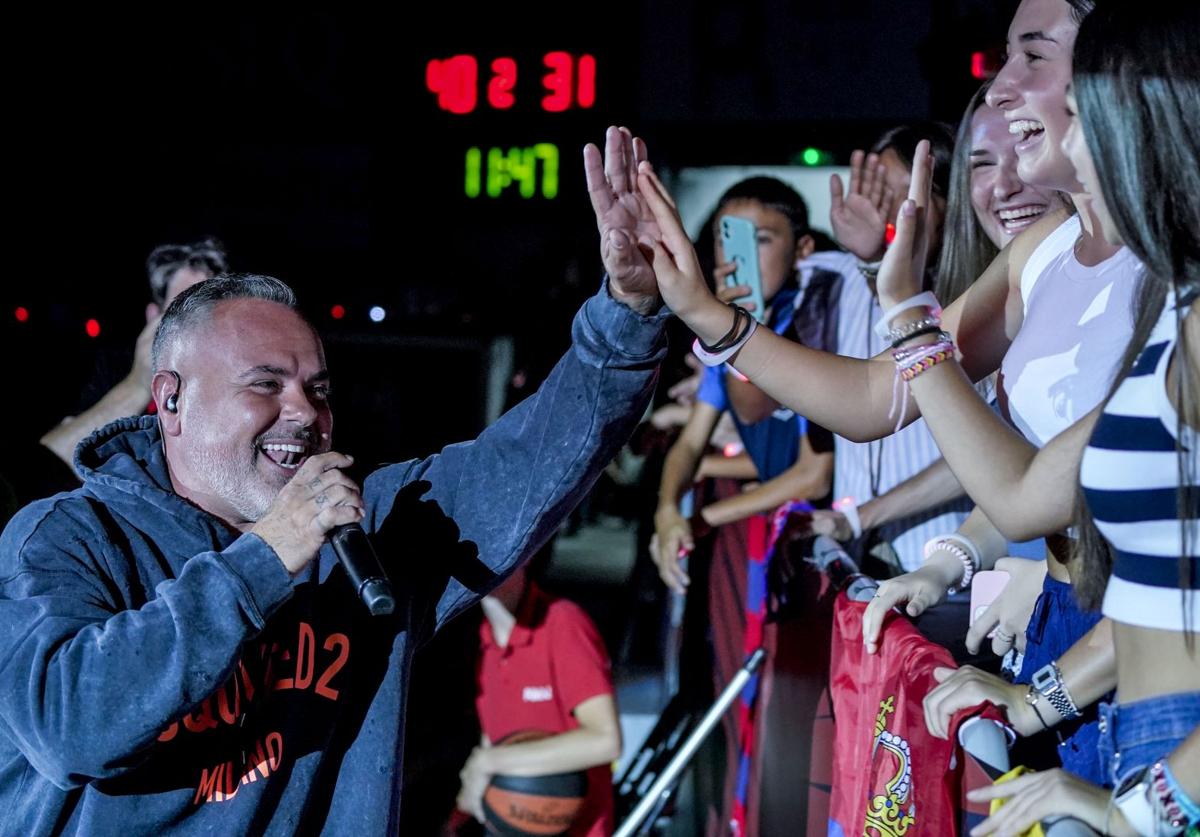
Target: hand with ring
317, 498
1009, 614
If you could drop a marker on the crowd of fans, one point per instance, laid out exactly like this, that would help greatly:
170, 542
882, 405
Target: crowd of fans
992, 365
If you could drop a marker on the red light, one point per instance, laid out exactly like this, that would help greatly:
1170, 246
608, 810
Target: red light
586, 94
979, 65
499, 92
889, 234
92, 328
986, 63
557, 82
453, 80
337, 311
22, 314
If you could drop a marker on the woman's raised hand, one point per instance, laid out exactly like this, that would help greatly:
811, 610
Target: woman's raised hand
902, 273
676, 266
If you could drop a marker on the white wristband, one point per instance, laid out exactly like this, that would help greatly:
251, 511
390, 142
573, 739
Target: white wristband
926, 300
717, 358
1136, 805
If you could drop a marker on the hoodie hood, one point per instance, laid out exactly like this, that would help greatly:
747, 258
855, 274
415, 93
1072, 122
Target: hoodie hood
123, 465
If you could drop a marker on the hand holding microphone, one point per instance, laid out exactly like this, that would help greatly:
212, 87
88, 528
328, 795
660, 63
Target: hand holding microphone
321, 503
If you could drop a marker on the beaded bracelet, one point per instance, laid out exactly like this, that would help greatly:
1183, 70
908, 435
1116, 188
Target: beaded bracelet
960, 539
946, 545
1191, 808
1166, 794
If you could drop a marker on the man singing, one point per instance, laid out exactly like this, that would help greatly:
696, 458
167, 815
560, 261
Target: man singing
179, 649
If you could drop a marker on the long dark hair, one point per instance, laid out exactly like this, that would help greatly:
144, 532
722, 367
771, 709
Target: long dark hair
903, 141
966, 249
1137, 85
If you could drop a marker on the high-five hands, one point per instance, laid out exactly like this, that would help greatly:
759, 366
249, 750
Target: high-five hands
676, 267
627, 227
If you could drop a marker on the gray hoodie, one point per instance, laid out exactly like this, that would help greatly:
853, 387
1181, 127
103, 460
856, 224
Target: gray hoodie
160, 673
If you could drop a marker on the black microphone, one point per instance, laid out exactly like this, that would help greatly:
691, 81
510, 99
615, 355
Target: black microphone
358, 559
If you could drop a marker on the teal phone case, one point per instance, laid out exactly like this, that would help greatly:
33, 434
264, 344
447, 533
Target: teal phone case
740, 246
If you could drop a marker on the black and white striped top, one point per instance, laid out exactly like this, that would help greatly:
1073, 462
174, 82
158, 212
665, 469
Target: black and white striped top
1130, 474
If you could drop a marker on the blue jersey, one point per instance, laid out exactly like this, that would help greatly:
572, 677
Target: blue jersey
773, 444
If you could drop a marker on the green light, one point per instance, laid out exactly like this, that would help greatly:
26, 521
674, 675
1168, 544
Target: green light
548, 154
811, 156
474, 160
500, 169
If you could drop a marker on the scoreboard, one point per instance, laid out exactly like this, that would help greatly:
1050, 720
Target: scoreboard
520, 97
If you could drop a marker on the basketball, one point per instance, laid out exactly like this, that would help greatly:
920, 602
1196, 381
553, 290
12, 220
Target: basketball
533, 806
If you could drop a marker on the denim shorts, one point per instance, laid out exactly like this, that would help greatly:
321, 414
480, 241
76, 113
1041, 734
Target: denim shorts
1135, 735
1057, 623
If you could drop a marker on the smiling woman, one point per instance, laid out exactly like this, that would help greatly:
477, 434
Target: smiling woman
1135, 149
1029, 88
989, 204
1052, 308
1004, 204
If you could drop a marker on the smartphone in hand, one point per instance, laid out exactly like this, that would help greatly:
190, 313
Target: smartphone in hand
739, 244
986, 587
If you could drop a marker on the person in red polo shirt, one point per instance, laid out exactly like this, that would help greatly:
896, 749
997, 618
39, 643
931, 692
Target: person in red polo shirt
542, 666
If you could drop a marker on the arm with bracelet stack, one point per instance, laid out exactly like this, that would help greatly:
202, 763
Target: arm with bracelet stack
1024, 492
1027, 492
951, 562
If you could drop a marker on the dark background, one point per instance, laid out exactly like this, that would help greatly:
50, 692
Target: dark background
307, 141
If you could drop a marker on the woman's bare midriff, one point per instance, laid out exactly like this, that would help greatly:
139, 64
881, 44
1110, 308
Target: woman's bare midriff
1153, 662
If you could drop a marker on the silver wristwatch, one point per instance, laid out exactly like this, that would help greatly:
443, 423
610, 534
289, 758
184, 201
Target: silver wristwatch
1048, 682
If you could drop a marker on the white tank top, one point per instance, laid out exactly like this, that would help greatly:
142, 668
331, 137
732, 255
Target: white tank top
1078, 322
